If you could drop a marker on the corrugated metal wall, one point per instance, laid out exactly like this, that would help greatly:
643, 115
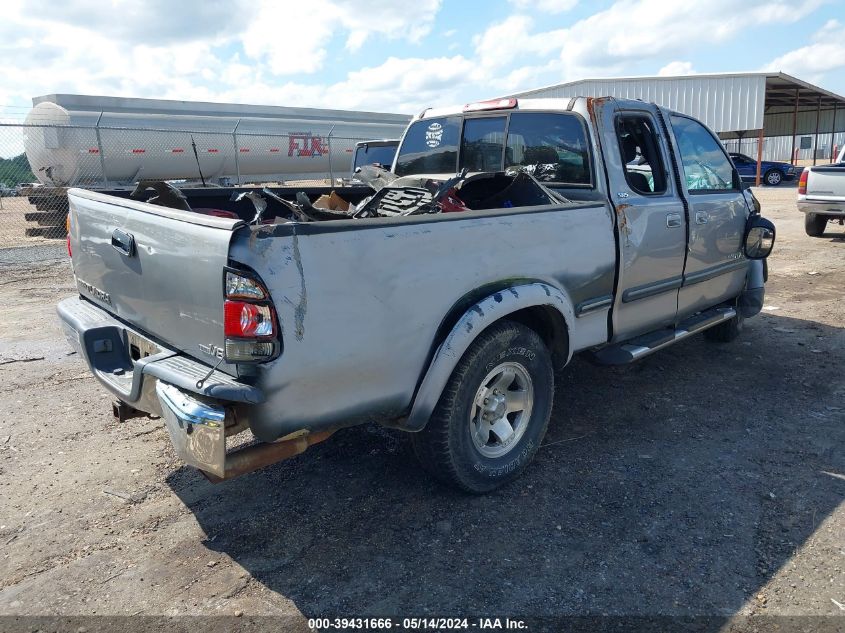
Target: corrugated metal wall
728, 103
778, 122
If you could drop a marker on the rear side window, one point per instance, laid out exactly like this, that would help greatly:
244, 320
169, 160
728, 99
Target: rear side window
483, 143
640, 152
551, 147
706, 167
430, 146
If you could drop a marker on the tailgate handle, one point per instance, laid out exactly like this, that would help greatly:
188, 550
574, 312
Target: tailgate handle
123, 242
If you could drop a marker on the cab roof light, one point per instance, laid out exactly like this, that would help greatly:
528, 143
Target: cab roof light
492, 104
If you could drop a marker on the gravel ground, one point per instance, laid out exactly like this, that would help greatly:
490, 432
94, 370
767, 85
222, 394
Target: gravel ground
705, 480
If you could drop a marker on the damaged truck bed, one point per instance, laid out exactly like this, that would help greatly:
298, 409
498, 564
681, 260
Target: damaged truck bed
507, 237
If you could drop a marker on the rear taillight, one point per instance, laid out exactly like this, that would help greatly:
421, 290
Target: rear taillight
242, 287
67, 227
249, 320
802, 182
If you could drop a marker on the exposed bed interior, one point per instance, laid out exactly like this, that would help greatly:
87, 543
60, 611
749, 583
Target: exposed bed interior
385, 197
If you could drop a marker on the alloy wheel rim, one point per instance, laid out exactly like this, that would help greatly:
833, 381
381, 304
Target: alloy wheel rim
501, 409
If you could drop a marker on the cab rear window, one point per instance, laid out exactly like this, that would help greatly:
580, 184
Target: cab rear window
552, 147
482, 143
430, 146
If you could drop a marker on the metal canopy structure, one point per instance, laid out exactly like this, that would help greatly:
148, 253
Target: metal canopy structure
784, 90
777, 106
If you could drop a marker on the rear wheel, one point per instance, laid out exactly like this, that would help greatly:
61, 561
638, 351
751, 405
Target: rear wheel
493, 413
815, 224
773, 177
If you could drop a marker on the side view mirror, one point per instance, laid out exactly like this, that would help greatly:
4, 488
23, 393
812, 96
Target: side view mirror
759, 237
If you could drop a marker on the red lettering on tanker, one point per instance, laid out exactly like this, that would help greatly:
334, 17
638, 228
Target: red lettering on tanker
307, 145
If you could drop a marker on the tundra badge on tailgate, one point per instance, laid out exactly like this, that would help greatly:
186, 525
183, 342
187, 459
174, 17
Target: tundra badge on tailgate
93, 291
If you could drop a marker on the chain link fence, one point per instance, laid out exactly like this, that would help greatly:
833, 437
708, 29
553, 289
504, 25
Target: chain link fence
38, 163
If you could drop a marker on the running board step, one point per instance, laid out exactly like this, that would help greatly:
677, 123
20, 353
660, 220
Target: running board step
641, 346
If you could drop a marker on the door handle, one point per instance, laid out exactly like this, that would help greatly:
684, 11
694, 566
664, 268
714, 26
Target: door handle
123, 242
673, 220
701, 217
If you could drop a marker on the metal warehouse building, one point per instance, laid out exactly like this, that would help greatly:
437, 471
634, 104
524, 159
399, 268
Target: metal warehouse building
795, 120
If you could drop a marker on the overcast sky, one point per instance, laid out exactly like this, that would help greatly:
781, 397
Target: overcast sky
397, 56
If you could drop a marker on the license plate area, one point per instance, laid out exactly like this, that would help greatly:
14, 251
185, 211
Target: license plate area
139, 347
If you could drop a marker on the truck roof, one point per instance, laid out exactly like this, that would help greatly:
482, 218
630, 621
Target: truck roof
561, 104
522, 104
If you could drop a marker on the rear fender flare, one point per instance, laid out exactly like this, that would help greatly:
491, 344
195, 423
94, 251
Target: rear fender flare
474, 321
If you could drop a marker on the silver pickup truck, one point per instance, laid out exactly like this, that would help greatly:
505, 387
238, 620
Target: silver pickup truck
600, 226
821, 195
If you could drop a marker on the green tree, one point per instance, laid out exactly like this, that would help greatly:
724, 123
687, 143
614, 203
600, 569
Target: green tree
15, 170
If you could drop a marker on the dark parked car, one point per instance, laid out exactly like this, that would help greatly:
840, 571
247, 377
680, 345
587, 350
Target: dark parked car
771, 173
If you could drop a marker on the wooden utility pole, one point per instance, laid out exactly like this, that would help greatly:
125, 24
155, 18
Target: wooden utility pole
794, 126
816, 137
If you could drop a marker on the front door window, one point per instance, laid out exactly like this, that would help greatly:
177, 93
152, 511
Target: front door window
706, 166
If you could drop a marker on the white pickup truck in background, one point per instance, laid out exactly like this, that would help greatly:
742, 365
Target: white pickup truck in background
821, 195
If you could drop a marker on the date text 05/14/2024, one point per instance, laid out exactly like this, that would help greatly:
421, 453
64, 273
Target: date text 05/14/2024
416, 624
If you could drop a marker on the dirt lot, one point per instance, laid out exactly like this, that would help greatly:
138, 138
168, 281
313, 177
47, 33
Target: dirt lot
705, 480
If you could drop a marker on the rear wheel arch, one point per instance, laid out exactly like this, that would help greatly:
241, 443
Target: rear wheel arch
539, 306
550, 325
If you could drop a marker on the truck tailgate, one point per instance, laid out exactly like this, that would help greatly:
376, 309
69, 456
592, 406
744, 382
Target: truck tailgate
157, 268
826, 183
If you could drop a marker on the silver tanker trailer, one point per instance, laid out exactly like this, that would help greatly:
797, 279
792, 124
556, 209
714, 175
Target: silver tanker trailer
109, 143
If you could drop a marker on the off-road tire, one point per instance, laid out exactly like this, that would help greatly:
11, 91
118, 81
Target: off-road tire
727, 331
815, 224
445, 447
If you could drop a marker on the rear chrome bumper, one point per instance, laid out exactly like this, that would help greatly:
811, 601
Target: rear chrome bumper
833, 208
104, 342
198, 418
198, 432
197, 429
